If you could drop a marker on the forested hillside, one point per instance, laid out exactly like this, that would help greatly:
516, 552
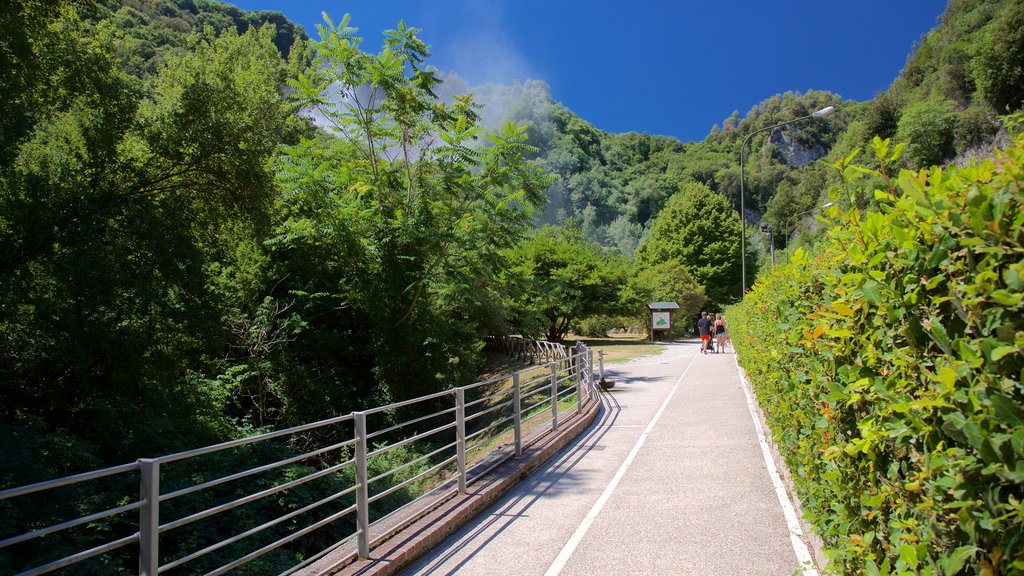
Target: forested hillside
614, 185
148, 30
945, 105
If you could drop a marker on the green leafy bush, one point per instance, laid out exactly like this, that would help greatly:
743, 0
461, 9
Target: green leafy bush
929, 128
596, 326
975, 127
998, 65
889, 363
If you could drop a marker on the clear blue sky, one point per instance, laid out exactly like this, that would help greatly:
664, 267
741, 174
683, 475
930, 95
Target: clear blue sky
656, 66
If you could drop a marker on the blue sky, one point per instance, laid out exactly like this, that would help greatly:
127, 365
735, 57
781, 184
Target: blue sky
662, 67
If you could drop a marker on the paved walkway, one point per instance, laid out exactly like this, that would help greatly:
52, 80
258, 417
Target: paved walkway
670, 480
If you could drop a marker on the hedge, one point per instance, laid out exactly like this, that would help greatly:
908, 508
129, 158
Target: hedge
889, 361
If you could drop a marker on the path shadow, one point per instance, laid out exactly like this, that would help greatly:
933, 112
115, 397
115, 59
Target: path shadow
621, 379
541, 483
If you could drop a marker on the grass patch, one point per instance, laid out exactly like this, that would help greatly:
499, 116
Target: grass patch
623, 348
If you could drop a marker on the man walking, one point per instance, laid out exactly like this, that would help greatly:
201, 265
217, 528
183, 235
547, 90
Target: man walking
704, 328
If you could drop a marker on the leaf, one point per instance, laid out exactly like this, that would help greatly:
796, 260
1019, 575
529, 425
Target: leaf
1007, 409
897, 151
798, 257
953, 425
947, 376
1007, 298
998, 353
939, 334
1014, 276
872, 292
953, 563
842, 309
973, 433
909, 555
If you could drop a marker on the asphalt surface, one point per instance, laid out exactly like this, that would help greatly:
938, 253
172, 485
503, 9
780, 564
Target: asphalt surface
669, 480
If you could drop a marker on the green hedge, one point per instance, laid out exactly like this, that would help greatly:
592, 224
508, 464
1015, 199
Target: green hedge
889, 364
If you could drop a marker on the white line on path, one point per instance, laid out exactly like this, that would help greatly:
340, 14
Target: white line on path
796, 533
563, 557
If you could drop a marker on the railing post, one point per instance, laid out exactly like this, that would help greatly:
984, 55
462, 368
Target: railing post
517, 412
149, 517
554, 396
460, 436
362, 488
600, 364
590, 369
577, 359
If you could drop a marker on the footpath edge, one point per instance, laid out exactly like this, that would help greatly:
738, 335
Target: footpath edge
405, 546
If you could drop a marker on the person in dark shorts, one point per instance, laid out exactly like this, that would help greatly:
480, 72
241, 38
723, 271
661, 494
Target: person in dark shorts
720, 333
704, 329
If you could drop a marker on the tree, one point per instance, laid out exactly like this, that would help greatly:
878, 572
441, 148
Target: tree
146, 192
929, 129
395, 222
558, 276
998, 64
667, 281
698, 230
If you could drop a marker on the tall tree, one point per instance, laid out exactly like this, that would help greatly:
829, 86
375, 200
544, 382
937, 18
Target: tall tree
558, 276
120, 207
667, 281
699, 230
397, 217
999, 62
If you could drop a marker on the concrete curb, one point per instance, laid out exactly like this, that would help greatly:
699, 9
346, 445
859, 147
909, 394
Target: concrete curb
429, 530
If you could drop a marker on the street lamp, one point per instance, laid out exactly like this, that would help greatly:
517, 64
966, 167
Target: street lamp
769, 231
797, 216
743, 217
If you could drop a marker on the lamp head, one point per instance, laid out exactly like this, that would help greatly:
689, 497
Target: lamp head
824, 112
827, 205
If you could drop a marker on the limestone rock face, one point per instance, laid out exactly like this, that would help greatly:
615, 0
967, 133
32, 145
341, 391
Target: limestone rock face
794, 153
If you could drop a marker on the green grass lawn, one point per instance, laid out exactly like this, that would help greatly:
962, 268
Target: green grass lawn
622, 348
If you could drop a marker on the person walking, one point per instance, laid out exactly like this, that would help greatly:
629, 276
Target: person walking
720, 332
704, 329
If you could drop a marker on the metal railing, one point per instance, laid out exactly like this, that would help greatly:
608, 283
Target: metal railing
527, 348
331, 481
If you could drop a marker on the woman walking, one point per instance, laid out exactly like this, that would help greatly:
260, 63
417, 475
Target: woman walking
720, 333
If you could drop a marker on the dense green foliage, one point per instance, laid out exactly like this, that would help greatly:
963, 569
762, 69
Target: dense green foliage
188, 259
889, 364
391, 261
929, 127
969, 67
151, 31
559, 277
698, 228
667, 281
114, 212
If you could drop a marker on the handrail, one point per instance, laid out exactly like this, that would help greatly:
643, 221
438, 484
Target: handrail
498, 408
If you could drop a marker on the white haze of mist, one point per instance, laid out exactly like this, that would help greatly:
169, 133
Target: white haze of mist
488, 57
527, 102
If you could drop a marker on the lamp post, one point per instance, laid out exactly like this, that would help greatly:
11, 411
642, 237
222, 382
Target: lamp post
743, 217
796, 217
769, 231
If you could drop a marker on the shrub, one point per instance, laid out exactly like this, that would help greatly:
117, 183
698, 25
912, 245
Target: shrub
929, 128
974, 127
595, 326
998, 65
889, 363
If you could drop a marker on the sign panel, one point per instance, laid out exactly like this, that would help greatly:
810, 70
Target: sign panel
661, 320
